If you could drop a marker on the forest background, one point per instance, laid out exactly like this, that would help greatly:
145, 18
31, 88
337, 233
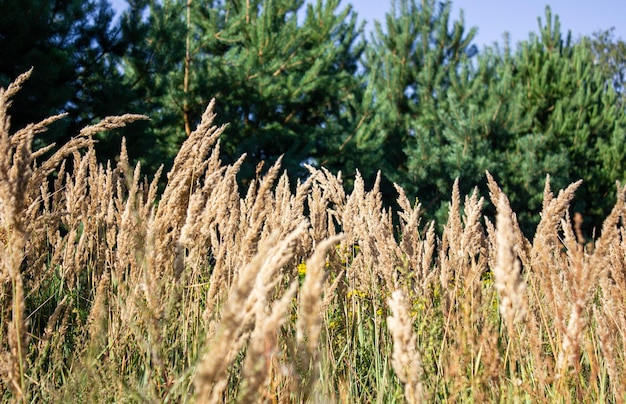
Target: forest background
415, 99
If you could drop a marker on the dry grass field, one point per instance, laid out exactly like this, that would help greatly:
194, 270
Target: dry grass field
114, 292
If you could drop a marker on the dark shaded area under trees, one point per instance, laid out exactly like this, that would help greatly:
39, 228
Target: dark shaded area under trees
416, 99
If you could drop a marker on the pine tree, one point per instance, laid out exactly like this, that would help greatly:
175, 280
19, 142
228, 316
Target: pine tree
75, 49
283, 86
542, 108
411, 67
572, 128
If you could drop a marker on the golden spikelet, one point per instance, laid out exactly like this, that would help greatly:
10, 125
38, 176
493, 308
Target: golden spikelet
406, 359
507, 274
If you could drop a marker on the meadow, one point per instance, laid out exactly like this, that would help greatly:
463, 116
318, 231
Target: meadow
112, 291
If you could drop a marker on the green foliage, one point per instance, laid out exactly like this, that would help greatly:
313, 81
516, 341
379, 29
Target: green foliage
610, 58
416, 101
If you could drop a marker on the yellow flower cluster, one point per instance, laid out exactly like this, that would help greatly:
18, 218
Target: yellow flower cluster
302, 269
357, 293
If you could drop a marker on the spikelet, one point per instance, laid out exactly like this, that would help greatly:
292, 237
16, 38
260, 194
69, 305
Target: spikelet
406, 360
508, 279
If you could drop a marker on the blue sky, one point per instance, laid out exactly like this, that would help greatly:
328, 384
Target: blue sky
518, 17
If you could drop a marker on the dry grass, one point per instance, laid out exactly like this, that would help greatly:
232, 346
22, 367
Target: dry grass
289, 293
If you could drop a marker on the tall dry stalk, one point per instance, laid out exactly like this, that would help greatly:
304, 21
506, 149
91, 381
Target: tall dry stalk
406, 358
254, 283
507, 271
